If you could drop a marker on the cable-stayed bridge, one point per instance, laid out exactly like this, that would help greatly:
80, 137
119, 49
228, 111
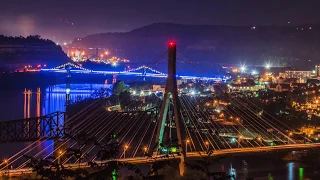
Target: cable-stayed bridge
176, 125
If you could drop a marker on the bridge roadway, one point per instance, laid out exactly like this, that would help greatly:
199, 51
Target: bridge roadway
144, 160
162, 75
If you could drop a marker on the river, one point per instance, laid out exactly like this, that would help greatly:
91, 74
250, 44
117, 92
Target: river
25, 103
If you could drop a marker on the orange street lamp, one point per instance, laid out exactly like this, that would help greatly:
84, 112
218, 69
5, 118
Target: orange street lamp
125, 149
60, 154
187, 142
6, 161
207, 144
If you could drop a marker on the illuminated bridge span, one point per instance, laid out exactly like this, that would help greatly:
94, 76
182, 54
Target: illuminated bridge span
176, 124
146, 71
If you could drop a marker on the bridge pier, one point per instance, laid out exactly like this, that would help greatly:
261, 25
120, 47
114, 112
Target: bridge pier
144, 73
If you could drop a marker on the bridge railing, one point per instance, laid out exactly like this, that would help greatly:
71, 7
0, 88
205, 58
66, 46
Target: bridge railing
49, 126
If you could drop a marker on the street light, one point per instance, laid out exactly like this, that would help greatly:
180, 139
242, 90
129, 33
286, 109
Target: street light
6, 161
259, 138
60, 154
207, 144
124, 152
290, 134
187, 142
145, 149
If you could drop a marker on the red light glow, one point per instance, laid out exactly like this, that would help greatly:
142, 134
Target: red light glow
172, 43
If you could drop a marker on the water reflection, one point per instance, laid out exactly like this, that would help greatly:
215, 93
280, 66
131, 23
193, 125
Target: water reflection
301, 173
38, 102
290, 171
55, 99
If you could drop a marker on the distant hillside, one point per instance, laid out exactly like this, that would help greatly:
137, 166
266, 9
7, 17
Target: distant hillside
254, 45
17, 52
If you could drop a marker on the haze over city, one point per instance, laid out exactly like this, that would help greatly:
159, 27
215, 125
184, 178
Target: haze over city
65, 20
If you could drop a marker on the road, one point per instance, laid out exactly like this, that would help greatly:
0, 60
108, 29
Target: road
144, 160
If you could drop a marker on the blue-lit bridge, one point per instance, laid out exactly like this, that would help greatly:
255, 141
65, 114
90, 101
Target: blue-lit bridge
178, 126
144, 70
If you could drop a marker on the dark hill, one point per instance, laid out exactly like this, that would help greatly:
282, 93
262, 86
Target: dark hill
17, 52
255, 45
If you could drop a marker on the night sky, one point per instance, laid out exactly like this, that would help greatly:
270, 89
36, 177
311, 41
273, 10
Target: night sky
62, 20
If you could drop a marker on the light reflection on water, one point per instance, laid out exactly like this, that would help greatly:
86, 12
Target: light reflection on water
55, 100
290, 171
24, 103
54, 97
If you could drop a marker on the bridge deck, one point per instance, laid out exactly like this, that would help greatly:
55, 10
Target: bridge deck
143, 160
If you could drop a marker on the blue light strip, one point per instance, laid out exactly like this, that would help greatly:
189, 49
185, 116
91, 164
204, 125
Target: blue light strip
136, 73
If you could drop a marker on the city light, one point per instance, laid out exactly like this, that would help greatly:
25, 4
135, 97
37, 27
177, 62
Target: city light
114, 135
65, 43
193, 92
114, 64
243, 68
174, 149
267, 66
106, 53
254, 72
